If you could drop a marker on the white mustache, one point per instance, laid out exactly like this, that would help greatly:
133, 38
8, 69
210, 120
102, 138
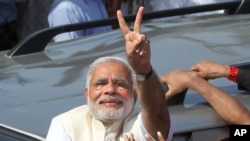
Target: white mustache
110, 98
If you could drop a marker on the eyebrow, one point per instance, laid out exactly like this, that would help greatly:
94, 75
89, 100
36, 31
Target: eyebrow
119, 79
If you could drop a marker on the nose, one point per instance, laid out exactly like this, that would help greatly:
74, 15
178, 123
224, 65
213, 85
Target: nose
110, 88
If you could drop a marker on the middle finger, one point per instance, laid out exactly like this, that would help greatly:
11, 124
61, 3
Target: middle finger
138, 20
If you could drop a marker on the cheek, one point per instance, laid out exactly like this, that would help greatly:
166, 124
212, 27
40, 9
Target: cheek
125, 94
94, 94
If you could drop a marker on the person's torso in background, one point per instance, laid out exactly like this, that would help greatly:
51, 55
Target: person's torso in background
80, 11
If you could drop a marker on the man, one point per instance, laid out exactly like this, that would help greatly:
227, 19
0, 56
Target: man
179, 80
77, 11
111, 95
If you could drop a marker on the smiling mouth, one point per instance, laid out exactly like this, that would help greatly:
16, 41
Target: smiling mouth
111, 103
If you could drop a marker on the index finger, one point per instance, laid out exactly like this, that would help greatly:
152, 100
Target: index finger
138, 20
123, 25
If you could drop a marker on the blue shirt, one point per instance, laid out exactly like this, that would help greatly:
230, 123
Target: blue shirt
7, 11
77, 11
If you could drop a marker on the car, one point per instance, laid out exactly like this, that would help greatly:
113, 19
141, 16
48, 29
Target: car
8, 133
40, 79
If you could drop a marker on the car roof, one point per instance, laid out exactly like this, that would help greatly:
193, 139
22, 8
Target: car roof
37, 86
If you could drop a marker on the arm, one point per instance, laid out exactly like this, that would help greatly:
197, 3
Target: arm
210, 70
221, 101
155, 117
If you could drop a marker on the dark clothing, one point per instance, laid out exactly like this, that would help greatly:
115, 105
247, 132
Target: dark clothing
8, 36
243, 79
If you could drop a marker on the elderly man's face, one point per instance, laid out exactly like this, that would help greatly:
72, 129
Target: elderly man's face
110, 95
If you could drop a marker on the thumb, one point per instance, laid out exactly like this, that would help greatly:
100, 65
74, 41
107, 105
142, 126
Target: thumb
169, 94
193, 68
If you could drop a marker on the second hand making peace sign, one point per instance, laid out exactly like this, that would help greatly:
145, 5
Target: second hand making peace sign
137, 45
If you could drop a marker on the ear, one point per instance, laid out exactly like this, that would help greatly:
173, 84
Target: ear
86, 94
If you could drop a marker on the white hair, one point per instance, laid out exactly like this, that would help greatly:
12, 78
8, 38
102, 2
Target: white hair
106, 59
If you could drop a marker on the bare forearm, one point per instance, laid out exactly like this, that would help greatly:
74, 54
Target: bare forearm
154, 112
150, 92
229, 108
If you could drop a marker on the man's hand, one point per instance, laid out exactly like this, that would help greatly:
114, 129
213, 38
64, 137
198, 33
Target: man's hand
210, 70
137, 46
177, 81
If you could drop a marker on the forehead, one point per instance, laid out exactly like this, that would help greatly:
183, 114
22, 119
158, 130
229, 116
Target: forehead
113, 68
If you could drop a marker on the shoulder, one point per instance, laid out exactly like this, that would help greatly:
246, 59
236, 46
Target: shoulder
66, 5
74, 118
74, 113
72, 121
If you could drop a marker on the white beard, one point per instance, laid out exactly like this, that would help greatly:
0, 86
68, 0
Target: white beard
111, 114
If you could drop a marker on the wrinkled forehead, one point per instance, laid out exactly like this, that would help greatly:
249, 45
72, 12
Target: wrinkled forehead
111, 69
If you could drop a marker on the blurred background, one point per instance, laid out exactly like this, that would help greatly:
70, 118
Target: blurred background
20, 18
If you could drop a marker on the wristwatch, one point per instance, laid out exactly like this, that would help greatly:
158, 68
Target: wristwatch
141, 77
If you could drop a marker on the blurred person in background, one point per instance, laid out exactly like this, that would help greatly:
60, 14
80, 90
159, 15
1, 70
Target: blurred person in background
78, 11
127, 7
32, 16
8, 35
65, 12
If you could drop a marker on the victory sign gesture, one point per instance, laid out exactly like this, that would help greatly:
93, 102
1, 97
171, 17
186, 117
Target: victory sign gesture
137, 46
